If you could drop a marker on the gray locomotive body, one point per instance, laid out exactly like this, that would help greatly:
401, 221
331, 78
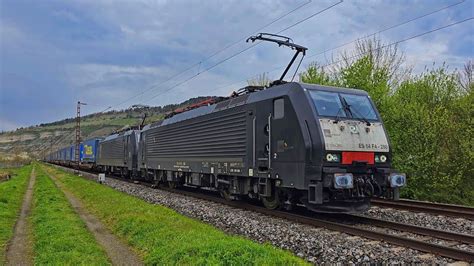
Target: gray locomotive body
117, 153
290, 144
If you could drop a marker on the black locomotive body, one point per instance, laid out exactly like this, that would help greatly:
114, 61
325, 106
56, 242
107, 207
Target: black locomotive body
117, 153
290, 144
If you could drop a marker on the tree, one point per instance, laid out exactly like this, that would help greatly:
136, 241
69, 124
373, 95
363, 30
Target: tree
466, 76
428, 116
318, 74
260, 80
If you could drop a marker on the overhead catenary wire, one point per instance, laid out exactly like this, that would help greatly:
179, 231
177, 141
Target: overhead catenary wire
242, 51
386, 28
213, 54
257, 43
331, 49
372, 34
311, 16
402, 40
256, 31
361, 54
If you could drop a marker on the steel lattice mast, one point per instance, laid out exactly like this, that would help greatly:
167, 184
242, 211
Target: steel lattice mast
78, 134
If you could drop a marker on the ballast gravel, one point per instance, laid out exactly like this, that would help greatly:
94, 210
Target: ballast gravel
316, 245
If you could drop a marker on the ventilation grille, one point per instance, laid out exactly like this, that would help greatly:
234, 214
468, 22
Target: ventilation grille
223, 136
112, 149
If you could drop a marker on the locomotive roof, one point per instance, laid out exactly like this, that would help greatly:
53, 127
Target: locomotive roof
333, 89
92, 139
269, 93
116, 135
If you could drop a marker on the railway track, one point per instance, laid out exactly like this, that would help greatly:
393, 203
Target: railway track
419, 230
427, 207
421, 245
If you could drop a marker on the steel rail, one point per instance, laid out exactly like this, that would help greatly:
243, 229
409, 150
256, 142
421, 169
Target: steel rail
426, 207
437, 249
419, 230
443, 205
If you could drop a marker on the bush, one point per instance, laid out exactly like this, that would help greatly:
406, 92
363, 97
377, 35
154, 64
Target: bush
428, 118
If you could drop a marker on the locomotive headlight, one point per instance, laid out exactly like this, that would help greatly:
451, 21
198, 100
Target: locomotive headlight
397, 180
344, 180
332, 157
380, 158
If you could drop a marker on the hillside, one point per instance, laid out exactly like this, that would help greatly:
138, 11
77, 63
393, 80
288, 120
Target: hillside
37, 140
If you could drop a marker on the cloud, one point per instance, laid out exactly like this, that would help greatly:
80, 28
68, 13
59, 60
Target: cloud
104, 52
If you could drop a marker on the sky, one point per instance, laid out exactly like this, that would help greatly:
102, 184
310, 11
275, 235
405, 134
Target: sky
104, 52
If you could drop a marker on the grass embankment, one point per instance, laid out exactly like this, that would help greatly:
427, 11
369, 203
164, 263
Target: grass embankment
163, 236
59, 234
11, 198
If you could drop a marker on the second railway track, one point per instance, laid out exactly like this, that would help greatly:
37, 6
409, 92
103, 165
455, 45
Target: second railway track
427, 207
424, 246
419, 230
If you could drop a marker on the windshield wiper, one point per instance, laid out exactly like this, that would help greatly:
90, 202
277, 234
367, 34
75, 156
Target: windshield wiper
361, 116
354, 111
338, 118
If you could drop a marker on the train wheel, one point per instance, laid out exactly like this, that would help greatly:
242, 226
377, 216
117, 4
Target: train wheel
272, 202
225, 193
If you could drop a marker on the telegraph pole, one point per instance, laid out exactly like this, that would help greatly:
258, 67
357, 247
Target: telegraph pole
78, 134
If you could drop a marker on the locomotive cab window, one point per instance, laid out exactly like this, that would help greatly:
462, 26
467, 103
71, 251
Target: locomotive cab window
278, 108
343, 105
328, 103
360, 107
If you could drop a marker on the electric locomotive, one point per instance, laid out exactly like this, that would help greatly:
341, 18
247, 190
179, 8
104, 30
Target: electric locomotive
294, 143
117, 153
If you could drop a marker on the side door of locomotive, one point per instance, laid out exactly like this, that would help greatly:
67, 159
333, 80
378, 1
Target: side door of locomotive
272, 136
285, 138
261, 135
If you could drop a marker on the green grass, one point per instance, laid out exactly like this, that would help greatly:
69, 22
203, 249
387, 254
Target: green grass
163, 236
59, 234
11, 198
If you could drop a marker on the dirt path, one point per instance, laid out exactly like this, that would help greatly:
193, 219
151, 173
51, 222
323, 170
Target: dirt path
19, 249
118, 252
